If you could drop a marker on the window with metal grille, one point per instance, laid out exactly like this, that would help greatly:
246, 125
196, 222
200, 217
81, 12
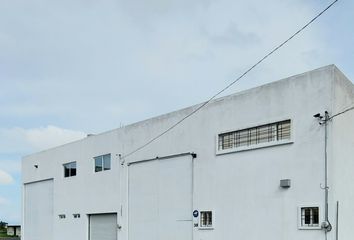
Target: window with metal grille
206, 219
70, 169
309, 216
102, 163
252, 136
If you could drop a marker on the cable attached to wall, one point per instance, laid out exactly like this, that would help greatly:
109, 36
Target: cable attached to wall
232, 83
326, 225
323, 120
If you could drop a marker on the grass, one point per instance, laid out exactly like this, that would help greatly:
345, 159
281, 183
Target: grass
3, 233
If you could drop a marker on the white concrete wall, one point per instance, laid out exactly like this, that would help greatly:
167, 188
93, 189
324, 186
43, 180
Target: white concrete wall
242, 187
85, 193
342, 157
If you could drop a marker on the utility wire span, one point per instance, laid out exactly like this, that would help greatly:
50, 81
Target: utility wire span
342, 112
232, 83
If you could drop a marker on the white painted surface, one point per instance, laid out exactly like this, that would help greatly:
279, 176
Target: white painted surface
160, 199
242, 188
39, 210
341, 152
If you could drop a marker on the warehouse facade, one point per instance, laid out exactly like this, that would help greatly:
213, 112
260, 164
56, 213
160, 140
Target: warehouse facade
248, 166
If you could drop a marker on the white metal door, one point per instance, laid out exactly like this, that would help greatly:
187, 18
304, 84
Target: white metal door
38, 211
103, 227
160, 199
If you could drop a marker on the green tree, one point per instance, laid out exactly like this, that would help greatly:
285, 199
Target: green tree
3, 224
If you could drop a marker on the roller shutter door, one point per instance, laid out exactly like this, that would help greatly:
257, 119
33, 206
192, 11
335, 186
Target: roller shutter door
103, 227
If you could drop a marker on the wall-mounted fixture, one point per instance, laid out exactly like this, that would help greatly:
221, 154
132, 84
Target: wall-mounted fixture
36, 166
285, 183
76, 215
62, 216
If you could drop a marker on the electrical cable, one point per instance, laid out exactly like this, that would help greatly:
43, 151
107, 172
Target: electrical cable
340, 113
232, 83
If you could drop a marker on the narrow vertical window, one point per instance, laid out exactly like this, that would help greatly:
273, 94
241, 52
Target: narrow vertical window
98, 164
107, 162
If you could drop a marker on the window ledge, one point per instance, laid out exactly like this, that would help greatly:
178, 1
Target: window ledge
310, 228
70, 177
252, 147
103, 171
206, 228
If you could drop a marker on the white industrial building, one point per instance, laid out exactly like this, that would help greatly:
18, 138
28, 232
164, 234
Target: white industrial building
252, 165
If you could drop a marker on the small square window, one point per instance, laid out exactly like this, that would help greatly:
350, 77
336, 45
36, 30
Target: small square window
102, 163
206, 219
62, 216
76, 215
70, 169
309, 217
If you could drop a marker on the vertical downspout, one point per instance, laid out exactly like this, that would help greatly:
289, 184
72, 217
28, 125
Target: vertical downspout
337, 220
127, 204
326, 224
194, 156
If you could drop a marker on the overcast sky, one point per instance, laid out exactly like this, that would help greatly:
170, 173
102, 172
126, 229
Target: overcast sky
72, 67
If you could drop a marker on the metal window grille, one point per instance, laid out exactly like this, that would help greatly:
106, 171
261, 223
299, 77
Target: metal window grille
252, 136
206, 219
310, 217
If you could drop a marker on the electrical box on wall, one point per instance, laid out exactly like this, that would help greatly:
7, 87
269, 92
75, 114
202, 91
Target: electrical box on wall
285, 183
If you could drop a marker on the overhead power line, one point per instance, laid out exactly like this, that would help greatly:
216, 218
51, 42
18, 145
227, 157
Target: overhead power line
342, 112
232, 83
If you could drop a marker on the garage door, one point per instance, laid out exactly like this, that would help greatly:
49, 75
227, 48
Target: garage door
38, 211
160, 199
103, 227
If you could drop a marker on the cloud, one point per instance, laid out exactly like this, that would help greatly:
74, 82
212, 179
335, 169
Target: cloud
5, 179
133, 59
92, 65
20, 140
51, 136
10, 165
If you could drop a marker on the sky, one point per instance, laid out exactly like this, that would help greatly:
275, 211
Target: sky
73, 67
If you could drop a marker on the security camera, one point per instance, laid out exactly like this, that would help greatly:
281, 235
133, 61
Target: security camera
318, 115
